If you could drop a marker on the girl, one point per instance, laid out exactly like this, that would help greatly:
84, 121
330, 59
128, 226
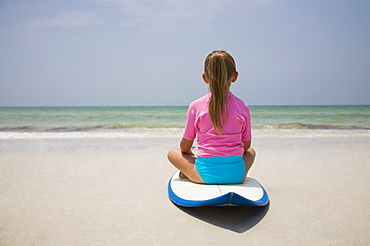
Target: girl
222, 123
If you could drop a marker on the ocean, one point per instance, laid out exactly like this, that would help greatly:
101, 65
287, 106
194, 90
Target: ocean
168, 121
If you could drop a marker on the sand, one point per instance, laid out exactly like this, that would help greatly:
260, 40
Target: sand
114, 192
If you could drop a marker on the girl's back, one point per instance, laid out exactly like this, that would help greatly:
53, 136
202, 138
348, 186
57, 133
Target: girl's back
236, 127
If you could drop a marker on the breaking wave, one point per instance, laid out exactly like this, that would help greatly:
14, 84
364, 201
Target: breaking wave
310, 127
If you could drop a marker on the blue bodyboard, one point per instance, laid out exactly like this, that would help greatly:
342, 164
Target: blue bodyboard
183, 192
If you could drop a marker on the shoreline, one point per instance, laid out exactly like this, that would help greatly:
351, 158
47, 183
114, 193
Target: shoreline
169, 133
114, 192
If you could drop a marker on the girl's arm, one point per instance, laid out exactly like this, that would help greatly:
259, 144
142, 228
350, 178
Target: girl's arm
247, 145
185, 146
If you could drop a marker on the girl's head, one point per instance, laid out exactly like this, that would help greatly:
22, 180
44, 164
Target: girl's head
219, 67
219, 73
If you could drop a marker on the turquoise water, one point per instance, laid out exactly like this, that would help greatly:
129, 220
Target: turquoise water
172, 118
311, 117
90, 118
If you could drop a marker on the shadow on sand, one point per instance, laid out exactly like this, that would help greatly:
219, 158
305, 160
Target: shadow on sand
238, 219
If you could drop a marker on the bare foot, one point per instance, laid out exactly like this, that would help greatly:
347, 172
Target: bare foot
182, 176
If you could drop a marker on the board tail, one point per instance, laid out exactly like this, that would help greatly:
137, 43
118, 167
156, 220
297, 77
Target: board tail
238, 200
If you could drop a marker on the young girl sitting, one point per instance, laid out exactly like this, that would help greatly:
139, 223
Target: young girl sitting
221, 122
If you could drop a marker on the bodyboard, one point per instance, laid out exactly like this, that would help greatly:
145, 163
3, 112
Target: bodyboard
183, 192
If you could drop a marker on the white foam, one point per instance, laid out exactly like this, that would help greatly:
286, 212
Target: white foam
292, 133
133, 133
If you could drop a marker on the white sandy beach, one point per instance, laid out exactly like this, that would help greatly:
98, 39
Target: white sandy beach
114, 192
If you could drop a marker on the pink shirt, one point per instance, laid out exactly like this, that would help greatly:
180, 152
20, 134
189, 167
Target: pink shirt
236, 129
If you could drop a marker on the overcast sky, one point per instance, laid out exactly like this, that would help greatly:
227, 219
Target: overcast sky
151, 52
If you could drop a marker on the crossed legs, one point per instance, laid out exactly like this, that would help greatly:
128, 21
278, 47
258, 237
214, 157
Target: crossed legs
185, 163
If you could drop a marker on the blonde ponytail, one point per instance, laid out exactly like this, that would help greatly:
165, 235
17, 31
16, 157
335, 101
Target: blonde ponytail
219, 67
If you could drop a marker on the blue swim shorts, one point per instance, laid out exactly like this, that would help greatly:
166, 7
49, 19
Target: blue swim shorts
221, 169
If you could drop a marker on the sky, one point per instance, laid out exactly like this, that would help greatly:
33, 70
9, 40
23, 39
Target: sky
151, 52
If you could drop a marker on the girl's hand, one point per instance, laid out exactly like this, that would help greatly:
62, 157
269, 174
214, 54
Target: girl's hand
189, 153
